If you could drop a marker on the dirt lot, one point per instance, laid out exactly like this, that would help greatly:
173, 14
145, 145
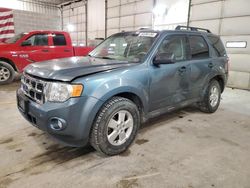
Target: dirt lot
184, 149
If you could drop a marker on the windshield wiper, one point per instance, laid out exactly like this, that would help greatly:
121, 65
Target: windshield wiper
104, 57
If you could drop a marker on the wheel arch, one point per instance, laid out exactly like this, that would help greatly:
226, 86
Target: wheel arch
221, 81
128, 94
135, 99
10, 62
133, 96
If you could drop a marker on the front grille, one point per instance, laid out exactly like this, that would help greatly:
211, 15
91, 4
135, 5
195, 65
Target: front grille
33, 88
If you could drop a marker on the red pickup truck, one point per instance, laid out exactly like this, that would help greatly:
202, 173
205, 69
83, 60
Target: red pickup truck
35, 46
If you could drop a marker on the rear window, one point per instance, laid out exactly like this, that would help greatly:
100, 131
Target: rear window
217, 46
199, 48
59, 40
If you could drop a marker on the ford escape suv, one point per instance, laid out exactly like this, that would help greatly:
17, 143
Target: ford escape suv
103, 98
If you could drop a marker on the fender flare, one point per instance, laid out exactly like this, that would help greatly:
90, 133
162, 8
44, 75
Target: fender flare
211, 77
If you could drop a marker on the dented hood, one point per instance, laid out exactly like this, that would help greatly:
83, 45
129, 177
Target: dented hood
67, 69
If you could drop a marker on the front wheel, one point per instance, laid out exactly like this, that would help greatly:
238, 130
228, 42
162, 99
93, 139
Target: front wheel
211, 100
7, 73
115, 126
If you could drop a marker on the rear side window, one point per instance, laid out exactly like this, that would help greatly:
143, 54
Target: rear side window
198, 47
217, 46
59, 40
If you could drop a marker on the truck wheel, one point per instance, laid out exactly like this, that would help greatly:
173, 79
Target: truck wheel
7, 73
115, 126
212, 98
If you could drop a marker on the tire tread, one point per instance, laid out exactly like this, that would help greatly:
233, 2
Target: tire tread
94, 141
204, 105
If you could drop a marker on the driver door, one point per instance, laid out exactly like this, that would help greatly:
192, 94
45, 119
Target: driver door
170, 82
38, 49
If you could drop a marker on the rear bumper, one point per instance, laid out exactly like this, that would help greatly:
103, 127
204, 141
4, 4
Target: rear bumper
76, 112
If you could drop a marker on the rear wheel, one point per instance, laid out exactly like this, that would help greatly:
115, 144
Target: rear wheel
7, 73
212, 98
115, 126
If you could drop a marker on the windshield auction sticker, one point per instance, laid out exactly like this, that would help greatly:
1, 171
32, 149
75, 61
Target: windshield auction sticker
147, 34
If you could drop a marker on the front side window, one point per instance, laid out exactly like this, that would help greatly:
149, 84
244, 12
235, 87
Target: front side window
199, 48
38, 40
174, 47
59, 40
131, 46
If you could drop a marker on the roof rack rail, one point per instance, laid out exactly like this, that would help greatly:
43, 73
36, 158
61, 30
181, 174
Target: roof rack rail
181, 27
144, 28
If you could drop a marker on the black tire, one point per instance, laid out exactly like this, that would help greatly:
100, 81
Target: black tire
205, 105
7, 73
99, 134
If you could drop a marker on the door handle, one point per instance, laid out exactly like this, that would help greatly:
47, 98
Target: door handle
182, 69
66, 50
45, 50
210, 65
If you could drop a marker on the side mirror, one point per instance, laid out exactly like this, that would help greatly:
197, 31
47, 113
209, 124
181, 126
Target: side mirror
26, 43
164, 58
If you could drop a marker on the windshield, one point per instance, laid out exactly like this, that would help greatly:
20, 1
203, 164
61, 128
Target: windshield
131, 47
15, 38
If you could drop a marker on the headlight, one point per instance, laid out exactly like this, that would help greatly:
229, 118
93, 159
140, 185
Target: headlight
60, 92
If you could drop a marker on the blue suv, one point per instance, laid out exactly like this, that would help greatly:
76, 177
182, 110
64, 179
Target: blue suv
103, 98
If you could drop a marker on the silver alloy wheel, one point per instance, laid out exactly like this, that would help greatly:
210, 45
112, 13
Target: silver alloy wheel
4, 74
214, 96
120, 127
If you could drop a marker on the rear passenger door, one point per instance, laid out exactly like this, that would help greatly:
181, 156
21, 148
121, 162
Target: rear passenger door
60, 48
201, 64
38, 50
